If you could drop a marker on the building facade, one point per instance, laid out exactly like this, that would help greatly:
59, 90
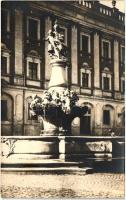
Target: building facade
94, 34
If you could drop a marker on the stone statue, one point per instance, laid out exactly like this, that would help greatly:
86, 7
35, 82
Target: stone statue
56, 47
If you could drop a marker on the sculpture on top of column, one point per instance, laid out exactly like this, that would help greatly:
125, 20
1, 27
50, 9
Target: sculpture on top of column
56, 46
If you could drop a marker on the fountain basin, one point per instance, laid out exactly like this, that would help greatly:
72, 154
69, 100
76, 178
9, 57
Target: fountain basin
61, 147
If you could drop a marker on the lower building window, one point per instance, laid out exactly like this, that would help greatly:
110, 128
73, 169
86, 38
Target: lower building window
4, 110
33, 70
85, 80
3, 65
106, 117
106, 82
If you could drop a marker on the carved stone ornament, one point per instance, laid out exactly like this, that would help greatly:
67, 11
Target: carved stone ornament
9, 146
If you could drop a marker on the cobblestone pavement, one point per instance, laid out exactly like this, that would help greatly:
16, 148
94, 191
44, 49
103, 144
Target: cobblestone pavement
98, 185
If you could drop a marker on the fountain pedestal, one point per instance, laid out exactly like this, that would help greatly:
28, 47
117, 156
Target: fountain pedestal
58, 80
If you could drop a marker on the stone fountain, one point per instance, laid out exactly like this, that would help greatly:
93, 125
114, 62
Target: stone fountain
57, 108
59, 105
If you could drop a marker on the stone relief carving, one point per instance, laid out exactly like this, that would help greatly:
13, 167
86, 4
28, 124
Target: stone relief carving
10, 145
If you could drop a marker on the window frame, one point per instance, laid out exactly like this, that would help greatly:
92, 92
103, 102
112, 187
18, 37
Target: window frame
6, 118
89, 41
3, 66
108, 75
38, 26
86, 71
6, 55
35, 60
121, 57
106, 82
33, 71
86, 80
105, 122
109, 49
8, 20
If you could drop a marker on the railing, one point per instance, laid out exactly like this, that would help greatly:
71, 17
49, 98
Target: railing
102, 9
85, 3
105, 10
121, 17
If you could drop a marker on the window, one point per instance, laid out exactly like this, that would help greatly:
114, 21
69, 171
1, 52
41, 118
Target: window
33, 70
106, 117
3, 65
3, 110
122, 54
4, 16
106, 83
123, 87
105, 49
33, 29
85, 80
85, 42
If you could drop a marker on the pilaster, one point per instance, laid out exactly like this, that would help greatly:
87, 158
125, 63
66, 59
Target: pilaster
116, 69
48, 26
96, 61
97, 90
74, 53
18, 79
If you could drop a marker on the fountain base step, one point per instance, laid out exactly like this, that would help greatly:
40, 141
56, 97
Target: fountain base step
40, 166
61, 170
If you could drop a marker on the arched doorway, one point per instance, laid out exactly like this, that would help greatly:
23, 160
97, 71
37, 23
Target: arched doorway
85, 122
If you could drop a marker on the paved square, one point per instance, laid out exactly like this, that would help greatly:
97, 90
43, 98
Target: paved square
97, 185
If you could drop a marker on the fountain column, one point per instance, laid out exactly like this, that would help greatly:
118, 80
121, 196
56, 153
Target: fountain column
58, 80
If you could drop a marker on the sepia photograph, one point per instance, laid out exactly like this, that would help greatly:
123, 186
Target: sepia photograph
63, 99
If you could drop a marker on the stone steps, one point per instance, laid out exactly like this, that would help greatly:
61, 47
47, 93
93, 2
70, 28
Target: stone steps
39, 166
40, 170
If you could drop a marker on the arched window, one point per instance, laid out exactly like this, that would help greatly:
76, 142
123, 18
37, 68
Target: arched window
6, 108
108, 115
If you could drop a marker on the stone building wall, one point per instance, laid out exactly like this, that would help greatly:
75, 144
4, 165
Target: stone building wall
19, 51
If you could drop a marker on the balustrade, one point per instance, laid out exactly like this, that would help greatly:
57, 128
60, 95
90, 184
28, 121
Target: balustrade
102, 9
